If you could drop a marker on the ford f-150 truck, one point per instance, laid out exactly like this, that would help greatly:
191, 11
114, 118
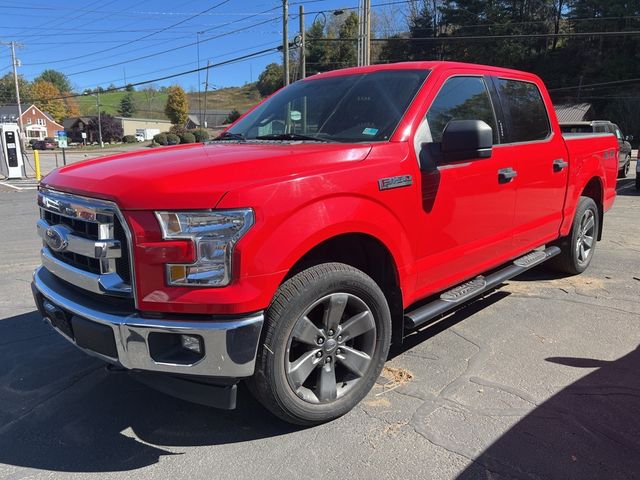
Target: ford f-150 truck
338, 215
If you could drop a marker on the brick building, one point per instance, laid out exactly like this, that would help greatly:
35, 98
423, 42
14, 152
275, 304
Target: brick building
37, 124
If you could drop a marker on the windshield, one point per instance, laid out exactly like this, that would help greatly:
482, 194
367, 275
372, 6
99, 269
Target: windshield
352, 108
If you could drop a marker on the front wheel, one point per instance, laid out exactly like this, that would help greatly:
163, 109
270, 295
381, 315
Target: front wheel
578, 247
327, 335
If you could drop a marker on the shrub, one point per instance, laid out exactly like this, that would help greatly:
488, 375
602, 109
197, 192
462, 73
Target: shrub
187, 137
160, 139
178, 130
173, 139
129, 139
201, 135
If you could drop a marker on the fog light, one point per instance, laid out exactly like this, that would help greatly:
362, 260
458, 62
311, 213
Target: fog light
191, 342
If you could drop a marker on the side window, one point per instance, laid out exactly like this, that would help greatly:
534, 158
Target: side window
524, 109
461, 98
617, 132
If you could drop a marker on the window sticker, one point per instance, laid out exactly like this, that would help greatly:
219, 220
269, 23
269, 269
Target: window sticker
296, 116
370, 131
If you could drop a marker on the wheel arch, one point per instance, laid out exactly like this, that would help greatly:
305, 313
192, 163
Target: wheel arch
595, 190
368, 254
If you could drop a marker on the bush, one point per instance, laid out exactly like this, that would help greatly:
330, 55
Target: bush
201, 135
129, 139
160, 139
187, 137
173, 139
178, 130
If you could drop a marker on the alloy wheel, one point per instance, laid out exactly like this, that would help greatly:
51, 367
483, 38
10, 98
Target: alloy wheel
330, 348
586, 236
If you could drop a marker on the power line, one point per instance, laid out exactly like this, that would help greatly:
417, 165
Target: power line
615, 82
223, 2
248, 56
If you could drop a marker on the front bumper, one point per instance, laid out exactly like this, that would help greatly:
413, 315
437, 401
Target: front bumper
114, 331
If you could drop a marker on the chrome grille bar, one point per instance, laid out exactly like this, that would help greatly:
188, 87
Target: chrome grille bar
78, 242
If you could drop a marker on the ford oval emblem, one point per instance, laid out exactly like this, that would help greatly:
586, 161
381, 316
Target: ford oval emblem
56, 238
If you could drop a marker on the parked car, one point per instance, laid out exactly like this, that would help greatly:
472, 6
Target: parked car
44, 145
292, 259
605, 126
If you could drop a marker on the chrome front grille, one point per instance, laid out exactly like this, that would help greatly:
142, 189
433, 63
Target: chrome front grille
85, 242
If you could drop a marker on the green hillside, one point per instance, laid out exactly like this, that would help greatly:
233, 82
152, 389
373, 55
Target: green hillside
152, 105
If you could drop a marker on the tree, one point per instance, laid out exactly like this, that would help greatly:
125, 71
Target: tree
127, 106
177, 108
129, 88
46, 97
72, 107
8, 89
111, 128
57, 78
232, 117
271, 79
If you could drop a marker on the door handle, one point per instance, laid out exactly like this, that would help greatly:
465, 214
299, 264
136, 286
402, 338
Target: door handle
559, 165
505, 175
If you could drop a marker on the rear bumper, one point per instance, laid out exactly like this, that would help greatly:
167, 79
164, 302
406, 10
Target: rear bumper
117, 333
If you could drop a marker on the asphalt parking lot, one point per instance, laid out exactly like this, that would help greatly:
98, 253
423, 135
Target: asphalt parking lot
539, 379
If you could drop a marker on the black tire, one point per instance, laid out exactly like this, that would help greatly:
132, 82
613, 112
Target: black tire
624, 171
637, 181
318, 290
571, 259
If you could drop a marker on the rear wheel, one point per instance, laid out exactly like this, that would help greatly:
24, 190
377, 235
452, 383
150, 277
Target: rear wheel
624, 171
578, 247
326, 339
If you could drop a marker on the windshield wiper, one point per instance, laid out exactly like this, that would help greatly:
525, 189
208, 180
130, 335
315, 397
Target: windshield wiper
290, 136
231, 136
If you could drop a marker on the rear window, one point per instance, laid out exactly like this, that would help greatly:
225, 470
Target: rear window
524, 109
576, 128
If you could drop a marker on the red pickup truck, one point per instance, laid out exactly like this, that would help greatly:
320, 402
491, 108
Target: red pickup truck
335, 217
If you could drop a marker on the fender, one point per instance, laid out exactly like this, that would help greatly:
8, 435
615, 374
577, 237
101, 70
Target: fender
278, 245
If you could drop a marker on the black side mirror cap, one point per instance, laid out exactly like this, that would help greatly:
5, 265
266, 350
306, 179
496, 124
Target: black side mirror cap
466, 140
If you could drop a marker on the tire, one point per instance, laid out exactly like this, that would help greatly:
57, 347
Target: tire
637, 181
576, 253
624, 171
322, 324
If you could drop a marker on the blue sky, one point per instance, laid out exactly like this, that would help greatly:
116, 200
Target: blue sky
101, 42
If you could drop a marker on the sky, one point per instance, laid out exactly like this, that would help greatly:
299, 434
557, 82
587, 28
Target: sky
105, 42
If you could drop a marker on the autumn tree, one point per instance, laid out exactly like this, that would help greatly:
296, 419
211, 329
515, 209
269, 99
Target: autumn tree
111, 128
57, 78
46, 96
177, 108
73, 109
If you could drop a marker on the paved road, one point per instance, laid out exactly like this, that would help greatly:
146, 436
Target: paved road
538, 380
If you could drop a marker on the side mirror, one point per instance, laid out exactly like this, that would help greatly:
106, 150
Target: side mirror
466, 140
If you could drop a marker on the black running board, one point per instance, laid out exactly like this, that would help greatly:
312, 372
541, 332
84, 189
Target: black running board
479, 285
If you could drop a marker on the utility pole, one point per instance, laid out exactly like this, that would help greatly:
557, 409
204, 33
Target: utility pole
14, 62
303, 47
366, 57
206, 87
99, 119
285, 39
199, 83
360, 32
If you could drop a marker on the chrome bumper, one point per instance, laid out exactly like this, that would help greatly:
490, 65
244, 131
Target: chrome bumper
229, 344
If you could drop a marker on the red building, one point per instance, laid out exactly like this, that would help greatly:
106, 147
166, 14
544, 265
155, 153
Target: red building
37, 124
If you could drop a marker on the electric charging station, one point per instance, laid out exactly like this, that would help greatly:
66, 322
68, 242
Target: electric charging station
11, 159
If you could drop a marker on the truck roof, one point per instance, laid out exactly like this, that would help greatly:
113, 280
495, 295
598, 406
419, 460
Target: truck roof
424, 65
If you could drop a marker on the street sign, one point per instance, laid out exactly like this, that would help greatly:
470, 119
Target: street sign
84, 134
61, 136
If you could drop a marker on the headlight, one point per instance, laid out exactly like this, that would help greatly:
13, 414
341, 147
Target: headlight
214, 234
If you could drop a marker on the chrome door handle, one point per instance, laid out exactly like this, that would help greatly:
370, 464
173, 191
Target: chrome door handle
559, 164
505, 175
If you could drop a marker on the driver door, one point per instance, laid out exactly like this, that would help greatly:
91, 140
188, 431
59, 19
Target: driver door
467, 213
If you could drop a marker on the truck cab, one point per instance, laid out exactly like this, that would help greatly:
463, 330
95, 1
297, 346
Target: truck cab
335, 217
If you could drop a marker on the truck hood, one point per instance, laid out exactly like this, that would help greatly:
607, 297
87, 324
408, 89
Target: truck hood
196, 176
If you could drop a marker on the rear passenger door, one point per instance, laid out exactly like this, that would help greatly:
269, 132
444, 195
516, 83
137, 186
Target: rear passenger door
542, 159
